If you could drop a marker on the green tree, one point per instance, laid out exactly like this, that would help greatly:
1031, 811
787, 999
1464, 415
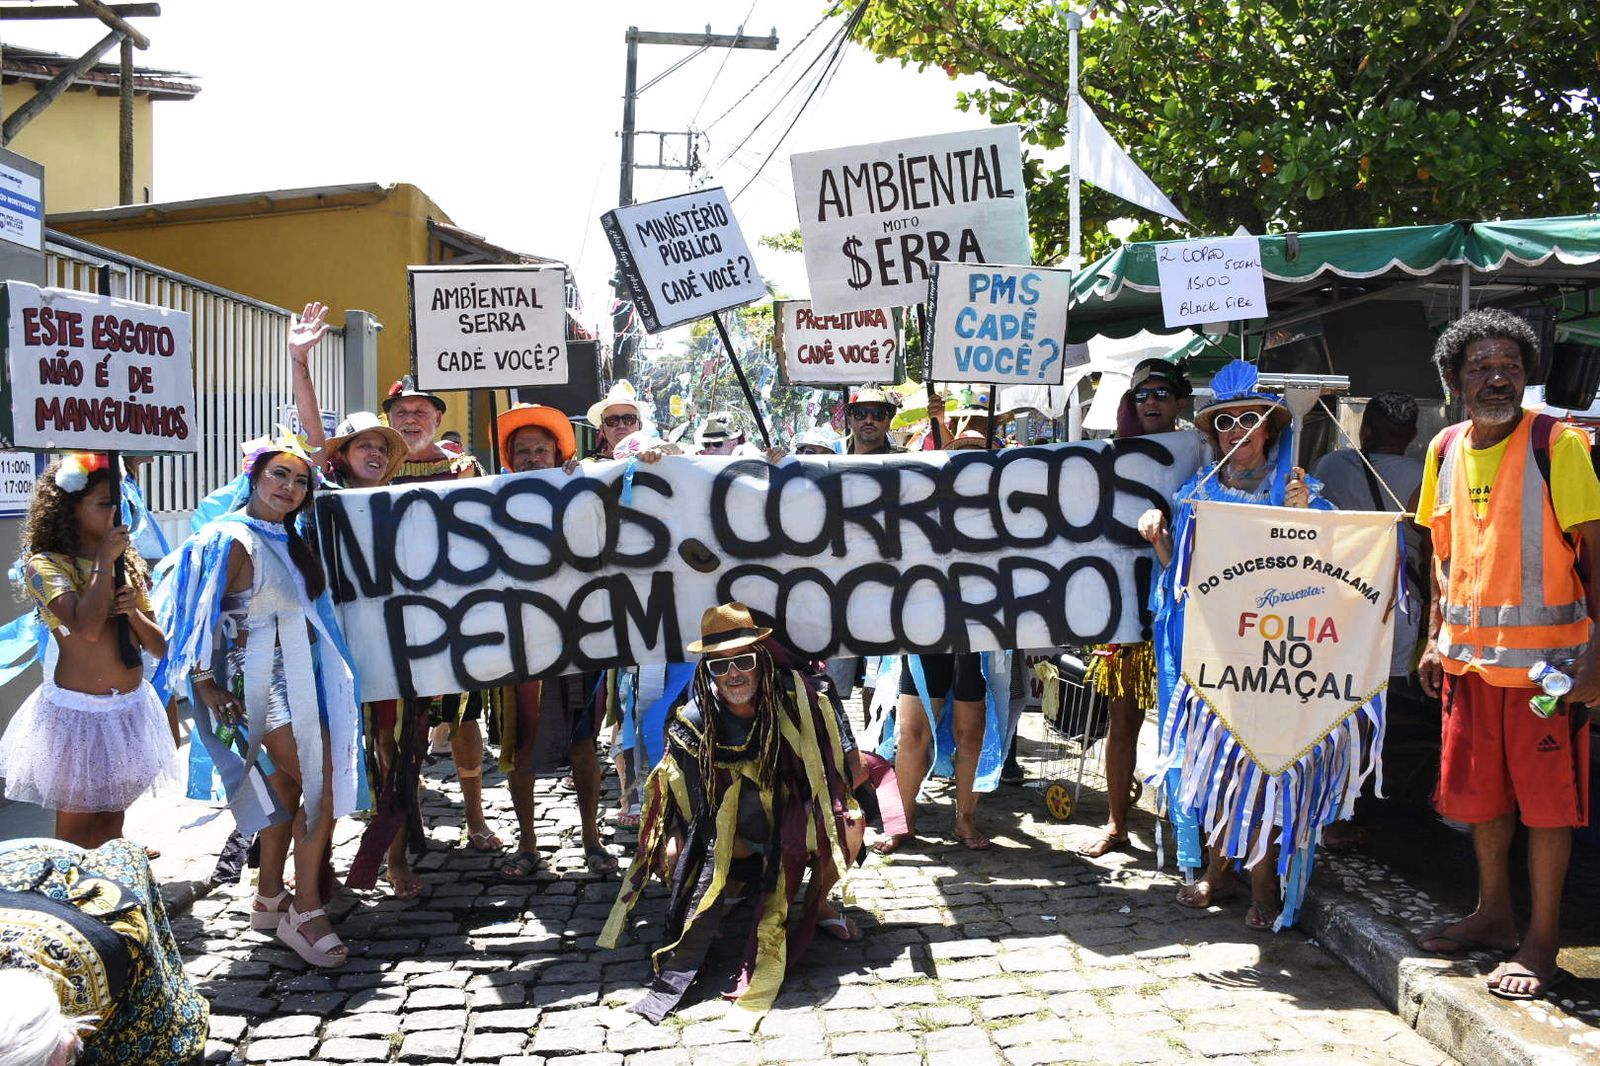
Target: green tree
1286, 114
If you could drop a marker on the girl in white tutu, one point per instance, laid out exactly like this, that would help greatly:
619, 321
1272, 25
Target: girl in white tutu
93, 738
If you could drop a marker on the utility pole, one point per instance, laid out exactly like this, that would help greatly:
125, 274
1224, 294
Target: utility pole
621, 346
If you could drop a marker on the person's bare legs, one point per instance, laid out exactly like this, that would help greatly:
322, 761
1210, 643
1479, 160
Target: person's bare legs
968, 725
827, 875
466, 745
585, 761
912, 740
1213, 886
1548, 852
401, 878
88, 829
311, 843
1265, 899
1492, 925
1122, 749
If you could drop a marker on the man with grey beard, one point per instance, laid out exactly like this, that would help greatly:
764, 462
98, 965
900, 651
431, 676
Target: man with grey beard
1513, 505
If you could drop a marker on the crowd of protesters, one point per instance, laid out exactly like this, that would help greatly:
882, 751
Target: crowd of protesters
758, 784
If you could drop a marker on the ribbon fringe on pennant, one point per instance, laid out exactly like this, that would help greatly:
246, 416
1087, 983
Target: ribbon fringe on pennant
1244, 810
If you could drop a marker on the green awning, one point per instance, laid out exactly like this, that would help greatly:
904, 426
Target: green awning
1530, 260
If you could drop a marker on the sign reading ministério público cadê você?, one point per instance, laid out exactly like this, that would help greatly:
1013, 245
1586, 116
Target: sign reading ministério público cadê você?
1003, 325
96, 373
683, 258
874, 218
849, 348
488, 327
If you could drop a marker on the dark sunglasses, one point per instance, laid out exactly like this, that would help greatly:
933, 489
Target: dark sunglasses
742, 663
613, 421
1224, 422
1158, 393
872, 411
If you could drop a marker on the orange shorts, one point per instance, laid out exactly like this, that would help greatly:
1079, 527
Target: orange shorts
1500, 758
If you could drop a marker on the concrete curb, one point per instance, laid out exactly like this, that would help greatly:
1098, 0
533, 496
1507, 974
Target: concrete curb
1444, 1001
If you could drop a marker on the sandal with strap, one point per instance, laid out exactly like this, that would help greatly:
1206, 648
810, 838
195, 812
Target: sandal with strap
267, 911
321, 954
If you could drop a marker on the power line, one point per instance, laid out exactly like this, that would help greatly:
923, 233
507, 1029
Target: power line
774, 69
726, 55
823, 81
836, 43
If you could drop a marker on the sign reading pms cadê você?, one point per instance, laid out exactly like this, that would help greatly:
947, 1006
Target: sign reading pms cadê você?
96, 373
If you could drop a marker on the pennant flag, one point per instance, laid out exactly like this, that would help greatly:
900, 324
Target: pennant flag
1103, 163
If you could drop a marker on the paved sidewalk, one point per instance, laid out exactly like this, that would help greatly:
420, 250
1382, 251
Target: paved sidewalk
1023, 954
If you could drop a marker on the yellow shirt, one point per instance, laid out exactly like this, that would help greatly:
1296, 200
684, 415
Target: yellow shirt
51, 575
1573, 487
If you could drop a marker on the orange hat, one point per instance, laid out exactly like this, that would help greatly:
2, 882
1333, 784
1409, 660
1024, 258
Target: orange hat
522, 415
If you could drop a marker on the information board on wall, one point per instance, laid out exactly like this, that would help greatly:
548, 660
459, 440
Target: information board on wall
849, 348
1003, 325
97, 373
488, 327
874, 218
21, 207
683, 258
1212, 280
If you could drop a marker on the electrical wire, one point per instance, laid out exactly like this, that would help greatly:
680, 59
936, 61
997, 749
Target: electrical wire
727, 54
770, 72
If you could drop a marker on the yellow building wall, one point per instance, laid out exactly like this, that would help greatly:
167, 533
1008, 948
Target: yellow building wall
350, 258
75, 139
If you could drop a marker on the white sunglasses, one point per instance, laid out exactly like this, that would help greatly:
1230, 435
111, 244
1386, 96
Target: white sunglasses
1224, 421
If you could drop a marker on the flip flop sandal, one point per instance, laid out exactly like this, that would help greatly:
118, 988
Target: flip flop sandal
600, 861
1261, 919
486, 840
1460, 945
1515, 969
1102, 843
521, 865
977, 842
848, 932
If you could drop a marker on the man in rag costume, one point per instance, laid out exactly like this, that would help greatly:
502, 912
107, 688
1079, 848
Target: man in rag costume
751, 795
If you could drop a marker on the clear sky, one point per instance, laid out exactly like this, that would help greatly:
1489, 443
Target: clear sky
505, 112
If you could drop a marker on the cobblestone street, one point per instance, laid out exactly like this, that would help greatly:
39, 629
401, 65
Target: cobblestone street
1019, 955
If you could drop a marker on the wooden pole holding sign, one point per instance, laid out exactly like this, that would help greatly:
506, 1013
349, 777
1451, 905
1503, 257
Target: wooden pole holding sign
927, 374
119, 575
744, 383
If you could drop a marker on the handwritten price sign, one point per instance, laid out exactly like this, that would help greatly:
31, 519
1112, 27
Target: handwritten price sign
1006, 325
1218, 280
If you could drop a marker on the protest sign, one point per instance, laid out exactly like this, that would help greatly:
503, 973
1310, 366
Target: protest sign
95, 373
488, 327
458, 586
1212, 280
850, 348
19, 471
874, 218
683, 258
1289, 623
1006, 325
21, 207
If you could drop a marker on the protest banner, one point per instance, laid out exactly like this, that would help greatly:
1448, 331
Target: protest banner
446, 588
852, 348
874, 218
683, 258
96, 373
1212, 280
1004, 325
1279, 713
488, 327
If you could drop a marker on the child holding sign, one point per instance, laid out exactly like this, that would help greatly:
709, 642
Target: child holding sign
88, 750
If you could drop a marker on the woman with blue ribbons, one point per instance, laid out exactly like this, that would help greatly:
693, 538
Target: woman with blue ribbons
1251, 431
274, 693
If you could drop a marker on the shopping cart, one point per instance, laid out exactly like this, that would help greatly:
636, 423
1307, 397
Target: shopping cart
1075, 718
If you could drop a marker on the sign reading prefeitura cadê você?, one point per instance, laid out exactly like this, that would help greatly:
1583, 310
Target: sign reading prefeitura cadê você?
488, 327
96, 373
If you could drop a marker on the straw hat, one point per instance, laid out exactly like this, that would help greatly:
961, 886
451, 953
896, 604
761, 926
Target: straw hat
873, 394
718, 427
726, 628
967, 438
1233, 387
621, 394
357, 423
522, 415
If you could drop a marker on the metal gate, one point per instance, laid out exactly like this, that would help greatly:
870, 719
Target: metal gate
241, 366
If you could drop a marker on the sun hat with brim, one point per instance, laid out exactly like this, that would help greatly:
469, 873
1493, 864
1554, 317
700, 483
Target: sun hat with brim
357, 423
727, 628
406, 388
881, 396
1234, 387
718, 427
621, 394
522, 415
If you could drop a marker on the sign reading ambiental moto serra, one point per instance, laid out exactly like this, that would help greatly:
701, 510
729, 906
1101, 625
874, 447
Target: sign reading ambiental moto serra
95, 373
